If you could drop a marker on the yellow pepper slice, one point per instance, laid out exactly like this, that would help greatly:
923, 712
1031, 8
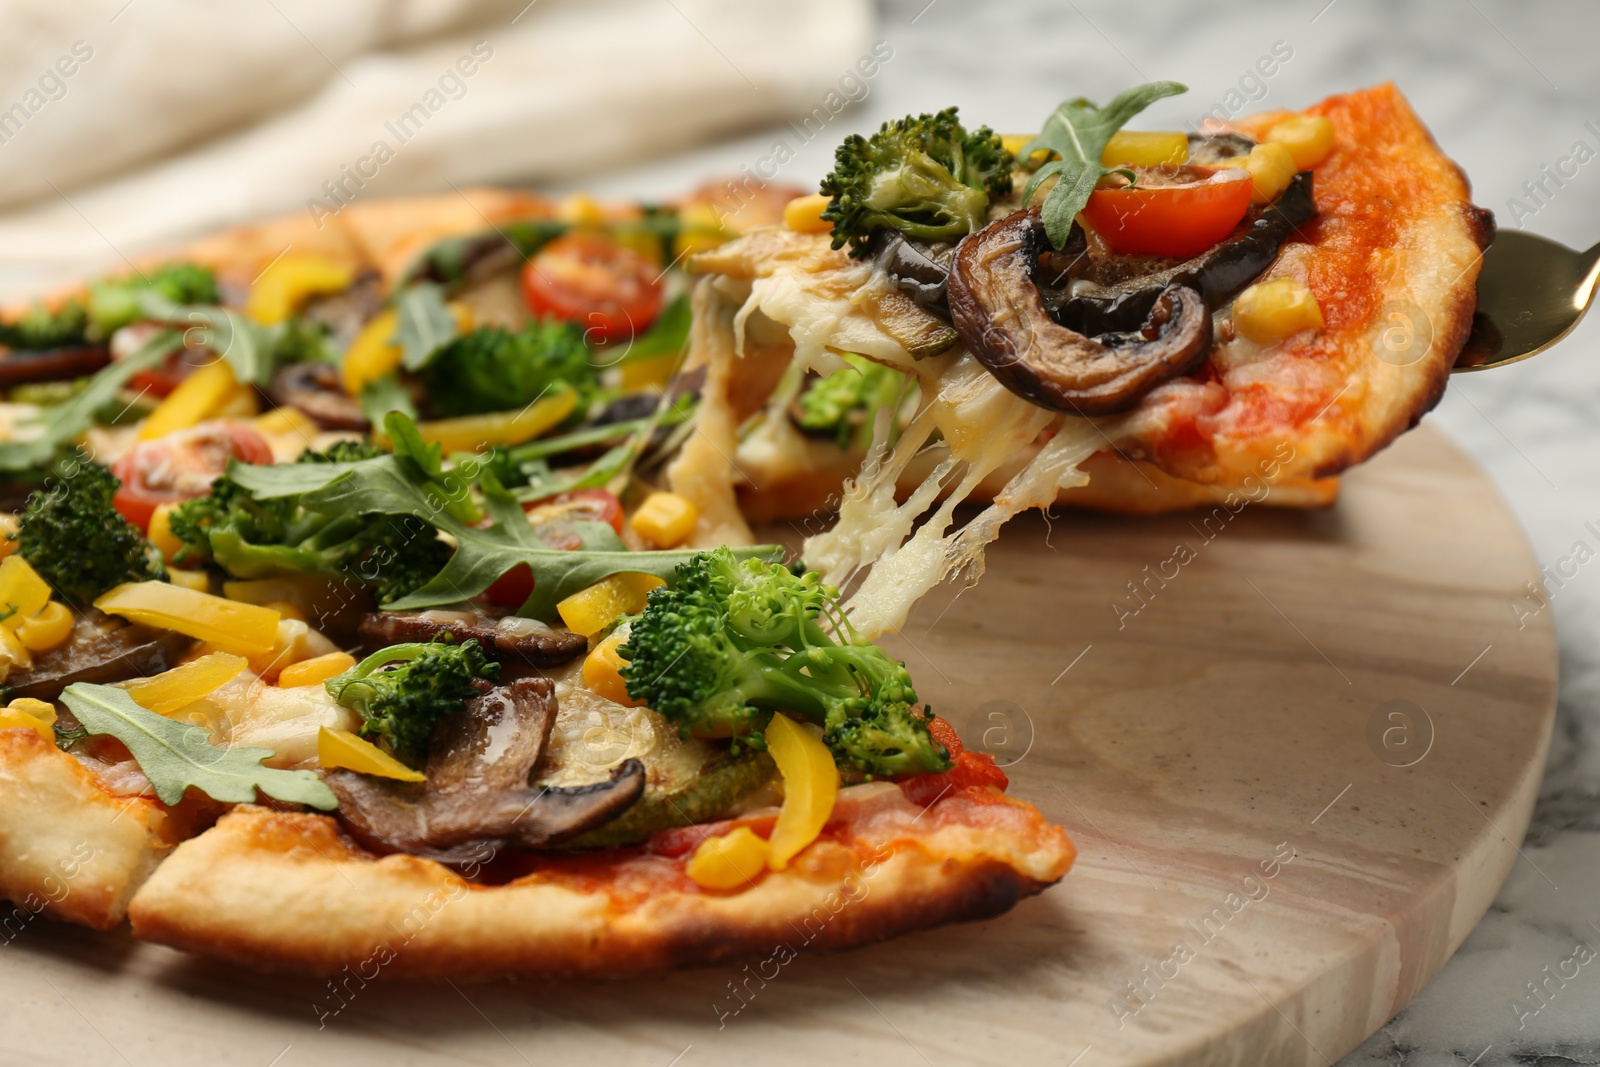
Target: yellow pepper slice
8, 532
810, 787
13, 654
22, 592
475, 433
315, 597
44, 631
196, 399
13, 716
168, 691
1145, 148
372, 354
341, 748
731, 861
315, 671
665, 519
232, 626
160, 533
289, 282
591, 610
287, 421
602, 672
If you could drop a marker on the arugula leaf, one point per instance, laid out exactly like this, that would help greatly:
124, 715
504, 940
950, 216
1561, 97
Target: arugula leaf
175, 755
1078, 132
247, 346
668, 336
425, 324
383, 395
67, 420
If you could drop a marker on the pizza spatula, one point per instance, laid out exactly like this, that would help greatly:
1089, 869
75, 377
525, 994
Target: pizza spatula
1531, 293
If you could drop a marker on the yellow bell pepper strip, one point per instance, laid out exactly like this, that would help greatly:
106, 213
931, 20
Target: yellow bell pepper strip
287, 422
12, 717
341, 748
48, 629
372, 354
14, 656
591, 610
23, 594
160, 533
810, 787
665, 519
731, 861
230, 625
315, 671
8, 532
199, 581
1145, 148
475, 433
296, 641
291, 280
169, 691
602, 672
314, 596
196, 399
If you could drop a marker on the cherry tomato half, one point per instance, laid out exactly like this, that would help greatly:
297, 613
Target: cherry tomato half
551, 520
182, 465
1168, 220
613, 292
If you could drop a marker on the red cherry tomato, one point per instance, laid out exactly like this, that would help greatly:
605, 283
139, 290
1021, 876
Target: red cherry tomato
551, 520
968, 770
613, 292
1167, 220
182, 465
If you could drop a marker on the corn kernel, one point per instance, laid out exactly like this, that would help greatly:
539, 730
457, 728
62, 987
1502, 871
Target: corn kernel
1145, 148
700, 229
1271, 167
581, 209
591, 610
160, 533
731, 861
1271, 311
13, 654
665, 519
602, 673
286, 609
46, 630
196, 581
289, 281
315, 671
1309, 139
13, 716
8, 532
803, 214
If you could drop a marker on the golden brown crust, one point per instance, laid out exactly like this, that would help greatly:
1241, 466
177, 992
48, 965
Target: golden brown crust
289, 892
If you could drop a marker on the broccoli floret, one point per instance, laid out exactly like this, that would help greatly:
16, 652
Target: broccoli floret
40, 328
923, 175
250, 538
730, 641
492, 369
114, 302
71, 533
402, 691
844, 403
298, 340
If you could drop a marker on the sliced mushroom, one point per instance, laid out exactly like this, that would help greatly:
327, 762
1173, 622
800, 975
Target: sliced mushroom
101, 649
344, 313
477, 798
1001, 315
511, 641
315, 389
52, 365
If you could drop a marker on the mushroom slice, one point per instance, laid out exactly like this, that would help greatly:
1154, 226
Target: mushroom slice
477, 798
510, 641
315, 389
51, 365
1000, 313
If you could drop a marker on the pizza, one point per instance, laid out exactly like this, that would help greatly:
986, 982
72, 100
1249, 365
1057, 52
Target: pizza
383, 592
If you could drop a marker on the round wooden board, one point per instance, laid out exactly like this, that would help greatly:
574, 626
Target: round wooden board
1260, 880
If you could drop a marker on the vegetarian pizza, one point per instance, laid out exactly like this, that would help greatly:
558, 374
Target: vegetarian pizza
385, 591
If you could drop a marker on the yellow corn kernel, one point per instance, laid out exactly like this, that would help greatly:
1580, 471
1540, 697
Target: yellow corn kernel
602, 672
700, 229
731, 861
169, 691
160, 533
341, 748
581, 209
48, 629
1270, 311
23, 594
665, 519
42, 710
1309, 139
1271, 168
8, 533
14, 655
234, 627
197, 581
196, 399
281, 422
1145, 148
803, 214
810, 787
289, 282
315, 671
372, 354
13, 717
591, 610
474, 433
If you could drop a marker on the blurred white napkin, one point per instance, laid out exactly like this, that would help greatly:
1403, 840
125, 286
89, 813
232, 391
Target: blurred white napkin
127, 124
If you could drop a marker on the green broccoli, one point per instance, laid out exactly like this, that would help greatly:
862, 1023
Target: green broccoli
250, 538
923, 175
730, 641
844, 403
73, 535
114, 302
492, 369
404, 690
40, 328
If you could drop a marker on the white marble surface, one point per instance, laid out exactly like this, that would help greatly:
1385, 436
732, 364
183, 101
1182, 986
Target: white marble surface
1506, 87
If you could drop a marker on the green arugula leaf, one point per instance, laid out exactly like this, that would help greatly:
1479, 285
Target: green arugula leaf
383, 395
65, 421
1078, 132
668, 336
247, 346
425, 324
176, 755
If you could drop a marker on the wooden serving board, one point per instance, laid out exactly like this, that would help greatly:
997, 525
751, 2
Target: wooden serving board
1297, 777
